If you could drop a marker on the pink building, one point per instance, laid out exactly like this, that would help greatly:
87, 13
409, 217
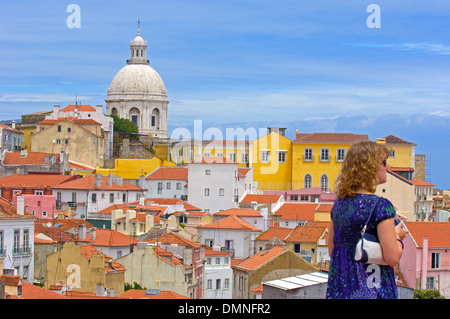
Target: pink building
41, 206
425, 263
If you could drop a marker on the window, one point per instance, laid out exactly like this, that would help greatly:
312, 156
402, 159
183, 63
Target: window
58, 142
124, 198
281, 156
392, 154
209, 242
297, 248
244, 157
208, 261
59, 128
209, 285
218, 283
178, 186
168, 185
38, 192
232, 157
307, 181
69, 130
217, 260
294, 197
94, 198
220, 154
435, 260
324, 183
324, 154
340, 154
26, 240
221, 192
74, 197
208, 172
308, 156
226, 283
430, 282
159, 188
206, 191
265, 156
16, 241
111, 197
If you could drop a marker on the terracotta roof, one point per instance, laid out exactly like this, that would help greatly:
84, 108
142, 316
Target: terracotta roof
296, 211
171, 201
271, 233
171, 238
211, 252
110, 265
324, 208
57, 234
311, 232
75, 294
231, 222
80, 108
9, 280
30, 291
438, 233
243, 171
7, 211
341, 138
158, 294
34, 180
9, 128
88, 182
391, 139
213, 160
66, 224
418, 182
261, 258
261, 199
240, 212
110, 238
31, 158
169, 173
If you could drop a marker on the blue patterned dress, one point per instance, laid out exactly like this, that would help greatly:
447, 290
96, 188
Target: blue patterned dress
347, 278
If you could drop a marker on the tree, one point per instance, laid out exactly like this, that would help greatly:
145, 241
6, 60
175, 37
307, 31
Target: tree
428, 294
124, 125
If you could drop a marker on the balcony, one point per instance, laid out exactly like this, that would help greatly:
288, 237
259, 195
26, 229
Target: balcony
24, 250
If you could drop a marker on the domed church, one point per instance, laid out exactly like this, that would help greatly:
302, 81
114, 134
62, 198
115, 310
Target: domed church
137, 93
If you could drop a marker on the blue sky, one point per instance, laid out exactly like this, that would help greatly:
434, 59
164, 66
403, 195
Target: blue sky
305, 65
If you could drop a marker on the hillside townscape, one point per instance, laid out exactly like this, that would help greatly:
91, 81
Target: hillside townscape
91, 209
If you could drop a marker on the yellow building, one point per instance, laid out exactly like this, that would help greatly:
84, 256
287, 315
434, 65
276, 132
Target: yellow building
83, 268
271, 160
133, 168
402, 158
236, 151
317, 158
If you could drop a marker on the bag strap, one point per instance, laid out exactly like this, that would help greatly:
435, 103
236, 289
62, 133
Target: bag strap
363, 231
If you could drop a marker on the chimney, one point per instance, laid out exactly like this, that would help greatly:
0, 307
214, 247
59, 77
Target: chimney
98, 108
100, 291
56, 110
109, 180
98, 181
82, 232
20, 205
13, 124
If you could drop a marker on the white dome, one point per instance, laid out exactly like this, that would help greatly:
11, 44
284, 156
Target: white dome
138, 40
140, 78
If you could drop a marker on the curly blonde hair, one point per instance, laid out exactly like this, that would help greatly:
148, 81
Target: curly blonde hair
360, 167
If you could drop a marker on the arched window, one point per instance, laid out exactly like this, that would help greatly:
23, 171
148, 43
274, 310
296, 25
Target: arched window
307, 181
324, 183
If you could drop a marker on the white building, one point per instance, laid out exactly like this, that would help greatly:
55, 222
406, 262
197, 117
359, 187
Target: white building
218, 277
232, 234
94, 193
138, 93
167, 182
17, 240
215, 184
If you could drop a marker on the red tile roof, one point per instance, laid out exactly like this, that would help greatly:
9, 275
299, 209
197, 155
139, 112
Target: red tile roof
171, 238
110, 265
231, 222
261, 258
32, 158
7, 211
80, 108
311, 232
344, 138
391, 139
30, 291
110, 238
261, 199
74, 120
240, 212
438, 233
88, 182
297, 211
169, 173
418, 182
38, 181
271, 233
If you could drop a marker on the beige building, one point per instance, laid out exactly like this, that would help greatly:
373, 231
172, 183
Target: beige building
84, 268
154, 268
82, 138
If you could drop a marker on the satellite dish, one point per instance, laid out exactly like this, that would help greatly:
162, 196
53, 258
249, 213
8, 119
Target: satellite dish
49, 224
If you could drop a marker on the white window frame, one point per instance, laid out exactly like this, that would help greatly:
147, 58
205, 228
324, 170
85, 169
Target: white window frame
265, 156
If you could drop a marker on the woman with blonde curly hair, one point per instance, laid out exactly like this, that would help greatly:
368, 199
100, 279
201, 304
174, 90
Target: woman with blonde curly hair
363, 168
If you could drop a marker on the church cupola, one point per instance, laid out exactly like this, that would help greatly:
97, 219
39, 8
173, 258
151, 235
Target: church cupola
138, 50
